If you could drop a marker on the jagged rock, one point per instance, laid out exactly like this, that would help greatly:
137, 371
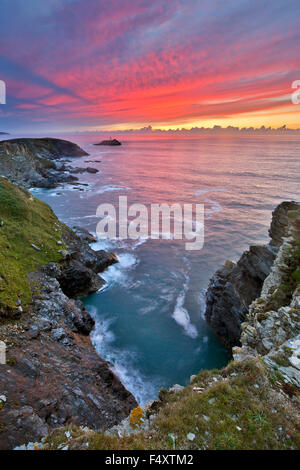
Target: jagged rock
84, 234
79, 270
280, 222
233, 287
77, 280
272, 329
83, 170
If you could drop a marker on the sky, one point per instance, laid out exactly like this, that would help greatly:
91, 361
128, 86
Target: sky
76, 65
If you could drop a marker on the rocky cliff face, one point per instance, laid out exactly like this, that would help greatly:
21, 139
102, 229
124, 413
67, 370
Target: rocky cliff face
52, 376
234, 286
35, 162
253, 403
272, 329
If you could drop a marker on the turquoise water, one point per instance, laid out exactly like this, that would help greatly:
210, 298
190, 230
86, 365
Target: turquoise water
149, 316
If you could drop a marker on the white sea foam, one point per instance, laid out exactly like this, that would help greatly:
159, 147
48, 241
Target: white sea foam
214, 205
204, 191
181, 315
115, 243
84, 217
118, 273
202, 303
108, 188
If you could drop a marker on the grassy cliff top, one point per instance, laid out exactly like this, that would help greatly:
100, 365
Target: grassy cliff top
240, 407
29, 237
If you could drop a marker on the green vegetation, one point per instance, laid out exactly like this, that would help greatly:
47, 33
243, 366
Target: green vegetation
242, 409
29, 232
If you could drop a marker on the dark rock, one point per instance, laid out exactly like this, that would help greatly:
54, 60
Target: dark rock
111, 142
92, 170
84, 234
88, 169
77, 280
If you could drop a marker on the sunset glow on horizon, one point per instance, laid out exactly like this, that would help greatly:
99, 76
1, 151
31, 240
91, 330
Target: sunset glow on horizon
97, 65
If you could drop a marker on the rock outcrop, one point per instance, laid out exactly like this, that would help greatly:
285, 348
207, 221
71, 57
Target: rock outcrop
81, 265
35, 162
234, 286
111, 142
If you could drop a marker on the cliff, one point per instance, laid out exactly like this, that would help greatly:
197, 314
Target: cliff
35, 162
272, 329
235, 285
52, 376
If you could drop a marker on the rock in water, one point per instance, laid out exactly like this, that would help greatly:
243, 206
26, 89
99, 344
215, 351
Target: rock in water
111, 142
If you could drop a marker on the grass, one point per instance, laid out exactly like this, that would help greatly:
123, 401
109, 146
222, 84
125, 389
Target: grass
24, 221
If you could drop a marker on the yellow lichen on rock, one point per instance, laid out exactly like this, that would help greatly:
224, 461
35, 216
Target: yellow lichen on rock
136, 417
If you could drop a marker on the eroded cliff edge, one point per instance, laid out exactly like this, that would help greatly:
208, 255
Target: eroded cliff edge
53, 375
235, 285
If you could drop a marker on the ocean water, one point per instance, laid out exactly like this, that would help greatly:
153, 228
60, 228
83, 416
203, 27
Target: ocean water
150, 315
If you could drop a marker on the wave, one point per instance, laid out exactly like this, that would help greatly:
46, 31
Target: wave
214, 205
124, 363
84, 217
108, 188
198, 192
181, 315
117, 244
202, 303
118, 273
